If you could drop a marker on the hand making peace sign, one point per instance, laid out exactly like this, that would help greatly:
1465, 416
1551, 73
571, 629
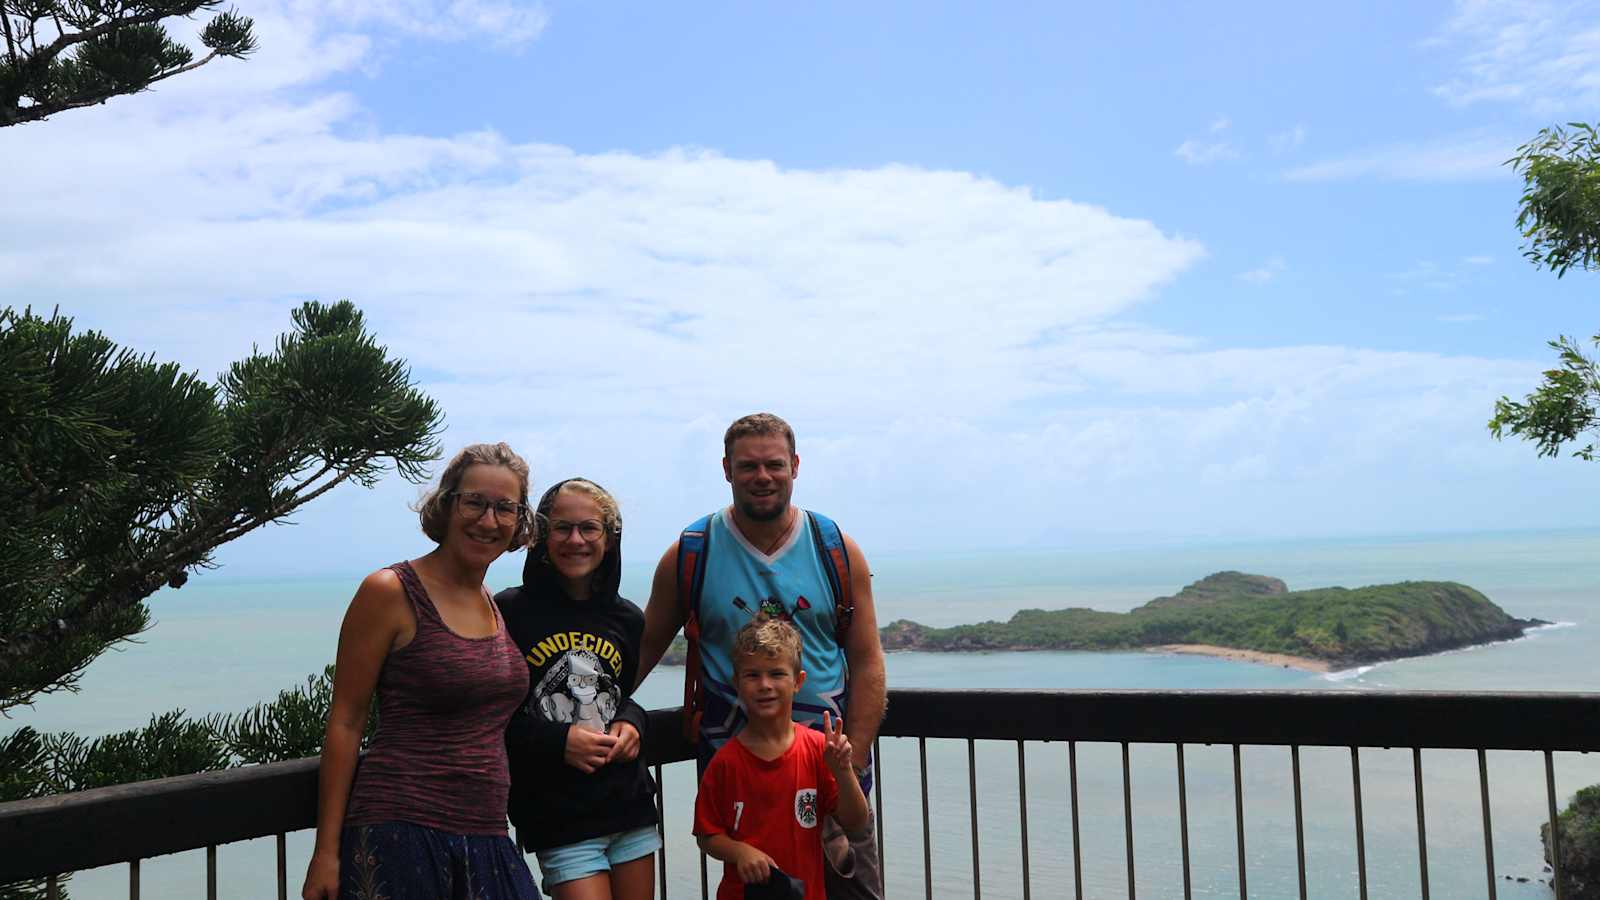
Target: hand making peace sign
837, 754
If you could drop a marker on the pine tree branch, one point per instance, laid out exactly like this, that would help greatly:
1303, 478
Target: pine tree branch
286, 509
54, 48
39, 111
11, 41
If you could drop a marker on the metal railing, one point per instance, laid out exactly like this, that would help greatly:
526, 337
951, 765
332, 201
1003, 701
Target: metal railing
133, 822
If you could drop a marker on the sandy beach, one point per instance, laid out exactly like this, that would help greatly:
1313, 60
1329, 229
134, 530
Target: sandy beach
1255, 656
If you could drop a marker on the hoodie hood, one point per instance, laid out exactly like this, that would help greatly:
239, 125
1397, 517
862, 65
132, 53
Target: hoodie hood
539, 575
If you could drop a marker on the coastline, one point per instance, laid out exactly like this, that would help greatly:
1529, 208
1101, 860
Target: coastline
1255, 656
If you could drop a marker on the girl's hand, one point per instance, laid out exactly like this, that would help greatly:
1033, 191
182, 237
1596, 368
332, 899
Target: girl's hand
322, 878
626, 748
588, 750
837, 753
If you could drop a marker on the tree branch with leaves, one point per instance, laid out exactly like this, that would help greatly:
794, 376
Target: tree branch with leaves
122, 474
68, 54
1559, 217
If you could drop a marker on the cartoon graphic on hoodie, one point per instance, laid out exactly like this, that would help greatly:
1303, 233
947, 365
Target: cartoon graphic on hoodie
577, 691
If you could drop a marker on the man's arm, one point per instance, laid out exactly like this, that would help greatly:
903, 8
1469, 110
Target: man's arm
662, 617
864, 654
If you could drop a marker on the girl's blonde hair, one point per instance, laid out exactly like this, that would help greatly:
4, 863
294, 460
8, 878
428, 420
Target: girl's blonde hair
610, 513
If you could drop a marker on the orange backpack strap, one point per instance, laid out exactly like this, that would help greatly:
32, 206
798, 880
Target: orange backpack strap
693, 544
836, 562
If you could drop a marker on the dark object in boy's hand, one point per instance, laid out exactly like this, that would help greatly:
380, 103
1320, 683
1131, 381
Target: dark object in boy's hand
778, 886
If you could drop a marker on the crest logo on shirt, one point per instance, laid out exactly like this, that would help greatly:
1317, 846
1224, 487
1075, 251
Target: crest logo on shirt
805, 807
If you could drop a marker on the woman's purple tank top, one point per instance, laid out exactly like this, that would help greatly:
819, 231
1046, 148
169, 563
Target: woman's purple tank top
439, 757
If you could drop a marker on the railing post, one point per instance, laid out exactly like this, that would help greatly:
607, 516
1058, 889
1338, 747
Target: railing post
1238, 820
661, 826
1299, 823
1488, 830
1077, 845
1361, 828
1183, 825
972, 791
133, 879
1422, 820
1127, 817
877, 808
1022, 802
927, 846
1555, 822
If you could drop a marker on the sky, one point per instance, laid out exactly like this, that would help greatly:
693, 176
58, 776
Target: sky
1020, 275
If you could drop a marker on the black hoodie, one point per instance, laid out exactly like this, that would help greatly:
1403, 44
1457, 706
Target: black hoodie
582, 659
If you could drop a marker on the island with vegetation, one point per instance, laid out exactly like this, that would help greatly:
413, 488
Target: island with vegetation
1249, 617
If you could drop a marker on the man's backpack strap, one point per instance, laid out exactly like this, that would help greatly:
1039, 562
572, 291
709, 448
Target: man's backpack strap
693, 544
836, 562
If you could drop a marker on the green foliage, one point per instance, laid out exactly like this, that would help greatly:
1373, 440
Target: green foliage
1370, 623
1559, 218
66, 54
170, 745
1560, 209
1562, 409
289, 727
1579, 828
24, 766
120, 474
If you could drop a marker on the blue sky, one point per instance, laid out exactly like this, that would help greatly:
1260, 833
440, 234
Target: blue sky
1048, 274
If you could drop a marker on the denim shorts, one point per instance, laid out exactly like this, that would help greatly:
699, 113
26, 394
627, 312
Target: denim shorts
574, 861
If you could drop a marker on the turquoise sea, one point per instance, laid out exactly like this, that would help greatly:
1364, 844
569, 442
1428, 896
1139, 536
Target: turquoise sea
223, 643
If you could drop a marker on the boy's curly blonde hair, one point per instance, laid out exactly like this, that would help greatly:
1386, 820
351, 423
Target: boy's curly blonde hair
767, 636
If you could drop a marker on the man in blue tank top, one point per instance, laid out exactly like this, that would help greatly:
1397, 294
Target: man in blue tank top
762, 554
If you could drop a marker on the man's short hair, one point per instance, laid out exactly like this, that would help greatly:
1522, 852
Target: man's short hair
767, 636
756, 425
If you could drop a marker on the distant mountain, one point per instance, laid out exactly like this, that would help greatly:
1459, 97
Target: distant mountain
1340, 626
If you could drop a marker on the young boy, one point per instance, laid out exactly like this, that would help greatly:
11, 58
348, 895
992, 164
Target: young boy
765, 793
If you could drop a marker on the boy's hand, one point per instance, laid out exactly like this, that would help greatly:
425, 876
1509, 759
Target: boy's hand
588, 750
837, 753
752, 865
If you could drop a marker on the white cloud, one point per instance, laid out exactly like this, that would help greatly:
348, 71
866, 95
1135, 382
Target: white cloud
1266, 272
1199, 153
1463, 157
1284, 141
950, 347
1478, 260
1541, 55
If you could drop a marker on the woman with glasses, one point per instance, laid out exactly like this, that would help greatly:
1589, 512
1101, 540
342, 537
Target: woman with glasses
581, 799
423, 815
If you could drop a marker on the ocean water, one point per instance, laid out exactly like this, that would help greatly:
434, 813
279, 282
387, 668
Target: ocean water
221, 644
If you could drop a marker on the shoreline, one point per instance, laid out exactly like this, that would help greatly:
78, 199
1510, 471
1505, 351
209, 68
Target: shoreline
1283, 660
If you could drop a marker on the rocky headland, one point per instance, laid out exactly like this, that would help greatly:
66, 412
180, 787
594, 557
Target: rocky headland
1249, 617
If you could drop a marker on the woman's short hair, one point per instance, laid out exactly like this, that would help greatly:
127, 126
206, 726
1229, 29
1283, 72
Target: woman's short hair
767, 636
438, 505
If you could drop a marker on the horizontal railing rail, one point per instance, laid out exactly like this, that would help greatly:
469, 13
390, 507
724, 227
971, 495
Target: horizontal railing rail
1434, 720
127, 823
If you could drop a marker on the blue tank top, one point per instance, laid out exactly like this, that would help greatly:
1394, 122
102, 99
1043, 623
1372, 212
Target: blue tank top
792, 584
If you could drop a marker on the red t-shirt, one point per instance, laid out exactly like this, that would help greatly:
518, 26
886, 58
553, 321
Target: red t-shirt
773, 805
